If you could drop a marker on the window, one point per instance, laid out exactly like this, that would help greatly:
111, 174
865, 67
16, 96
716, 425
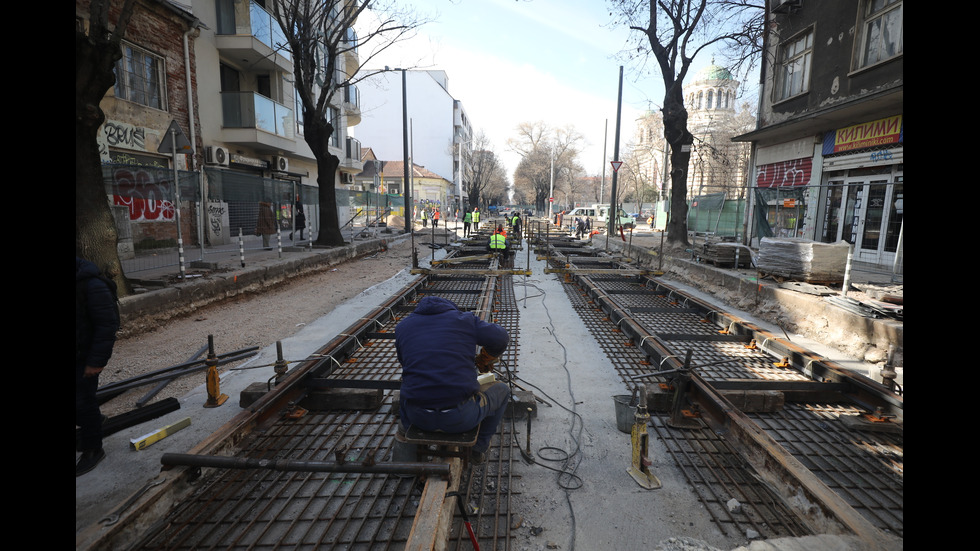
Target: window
882, 33
794, 66
299, 110
139, 77
334, 117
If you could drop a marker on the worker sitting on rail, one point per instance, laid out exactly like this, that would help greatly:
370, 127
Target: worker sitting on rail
439, 391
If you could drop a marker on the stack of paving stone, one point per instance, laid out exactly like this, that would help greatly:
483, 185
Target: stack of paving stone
803, 260
727, 254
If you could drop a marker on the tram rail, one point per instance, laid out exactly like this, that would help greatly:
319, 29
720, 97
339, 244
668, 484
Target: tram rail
316, 477
831, 437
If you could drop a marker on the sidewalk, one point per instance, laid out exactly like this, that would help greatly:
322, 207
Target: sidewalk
162, 292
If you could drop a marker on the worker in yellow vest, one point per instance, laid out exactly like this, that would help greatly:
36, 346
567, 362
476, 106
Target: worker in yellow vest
498, 244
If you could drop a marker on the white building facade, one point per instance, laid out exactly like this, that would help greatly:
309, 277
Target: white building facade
438, 124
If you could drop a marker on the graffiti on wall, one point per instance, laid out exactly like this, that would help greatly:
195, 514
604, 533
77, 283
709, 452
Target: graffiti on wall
217, 212
145, 197
786, 173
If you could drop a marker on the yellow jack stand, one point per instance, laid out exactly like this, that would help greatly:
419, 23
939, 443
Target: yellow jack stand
640, 468
215, 397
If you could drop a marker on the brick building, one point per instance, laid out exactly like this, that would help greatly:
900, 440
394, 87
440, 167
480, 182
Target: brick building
155, 88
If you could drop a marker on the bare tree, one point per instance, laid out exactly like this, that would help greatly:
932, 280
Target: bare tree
319, 33
96, 53
675, 31
639, 185
483, 172
545, 151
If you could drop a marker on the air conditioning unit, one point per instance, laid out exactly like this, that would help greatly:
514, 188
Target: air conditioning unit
216, 155
280, 164
347, 177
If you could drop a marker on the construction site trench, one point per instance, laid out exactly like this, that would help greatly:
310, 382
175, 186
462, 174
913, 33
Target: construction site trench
563, 484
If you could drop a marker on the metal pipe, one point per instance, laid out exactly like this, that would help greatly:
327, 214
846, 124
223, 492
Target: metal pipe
225, 462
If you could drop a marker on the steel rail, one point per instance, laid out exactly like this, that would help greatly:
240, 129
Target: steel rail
248, 497
781, 469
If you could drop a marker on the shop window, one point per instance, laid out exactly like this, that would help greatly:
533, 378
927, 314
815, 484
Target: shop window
139, 77
794, 66
882, 32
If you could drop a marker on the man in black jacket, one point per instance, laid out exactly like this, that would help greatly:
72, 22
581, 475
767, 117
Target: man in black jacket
96, 323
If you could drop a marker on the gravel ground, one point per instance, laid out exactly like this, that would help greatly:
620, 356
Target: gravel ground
258, 319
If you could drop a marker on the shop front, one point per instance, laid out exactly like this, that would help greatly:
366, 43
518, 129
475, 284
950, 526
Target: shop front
862, 189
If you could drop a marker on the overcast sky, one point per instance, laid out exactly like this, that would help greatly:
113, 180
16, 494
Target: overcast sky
514, 61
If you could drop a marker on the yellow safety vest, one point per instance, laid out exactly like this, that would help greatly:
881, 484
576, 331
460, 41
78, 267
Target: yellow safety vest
498, 241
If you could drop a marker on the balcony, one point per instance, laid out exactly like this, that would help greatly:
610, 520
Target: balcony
249, 34
352, 156
253, 119
352, 61
352, 105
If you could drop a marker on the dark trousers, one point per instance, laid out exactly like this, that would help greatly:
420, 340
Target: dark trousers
486, 406
87, 415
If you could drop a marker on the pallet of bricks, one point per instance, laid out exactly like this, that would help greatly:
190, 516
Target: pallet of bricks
726, 255
802, 260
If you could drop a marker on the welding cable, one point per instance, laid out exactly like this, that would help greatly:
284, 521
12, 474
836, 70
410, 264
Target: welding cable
567, 474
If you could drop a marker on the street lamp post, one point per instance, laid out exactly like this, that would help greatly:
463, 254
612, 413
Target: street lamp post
409, 223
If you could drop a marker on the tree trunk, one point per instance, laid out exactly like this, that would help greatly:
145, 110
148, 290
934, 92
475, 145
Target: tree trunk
95, 230
680, 140
318, 138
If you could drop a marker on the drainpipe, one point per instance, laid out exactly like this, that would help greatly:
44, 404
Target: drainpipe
194, 32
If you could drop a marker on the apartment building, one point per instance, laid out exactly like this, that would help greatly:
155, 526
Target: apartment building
251, 118
154, 92
828, 152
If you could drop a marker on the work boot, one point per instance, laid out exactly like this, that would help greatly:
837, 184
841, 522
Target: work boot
88, 460
478, 458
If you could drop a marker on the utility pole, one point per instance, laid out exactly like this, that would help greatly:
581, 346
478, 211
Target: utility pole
613, 217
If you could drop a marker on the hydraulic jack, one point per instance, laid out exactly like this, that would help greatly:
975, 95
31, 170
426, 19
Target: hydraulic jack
640, 468
215, 397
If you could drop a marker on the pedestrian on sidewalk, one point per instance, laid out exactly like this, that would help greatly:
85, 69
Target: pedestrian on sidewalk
266, 224
299, 220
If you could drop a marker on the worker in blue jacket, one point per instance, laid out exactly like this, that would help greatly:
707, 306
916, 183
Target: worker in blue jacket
437, 348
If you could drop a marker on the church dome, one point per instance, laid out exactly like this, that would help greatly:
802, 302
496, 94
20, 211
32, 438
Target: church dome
713, 72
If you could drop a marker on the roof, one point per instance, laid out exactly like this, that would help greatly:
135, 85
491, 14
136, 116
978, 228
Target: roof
713, 72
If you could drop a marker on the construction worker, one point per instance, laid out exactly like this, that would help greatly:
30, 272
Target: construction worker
439, 389
498, 244
515, 224
476, 219
467, 219
435, 218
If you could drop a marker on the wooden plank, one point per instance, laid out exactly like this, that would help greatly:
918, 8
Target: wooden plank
433, 519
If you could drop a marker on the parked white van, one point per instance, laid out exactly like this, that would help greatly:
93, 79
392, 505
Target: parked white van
601, 214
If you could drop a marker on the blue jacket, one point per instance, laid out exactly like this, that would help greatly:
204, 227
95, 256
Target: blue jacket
437, 347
